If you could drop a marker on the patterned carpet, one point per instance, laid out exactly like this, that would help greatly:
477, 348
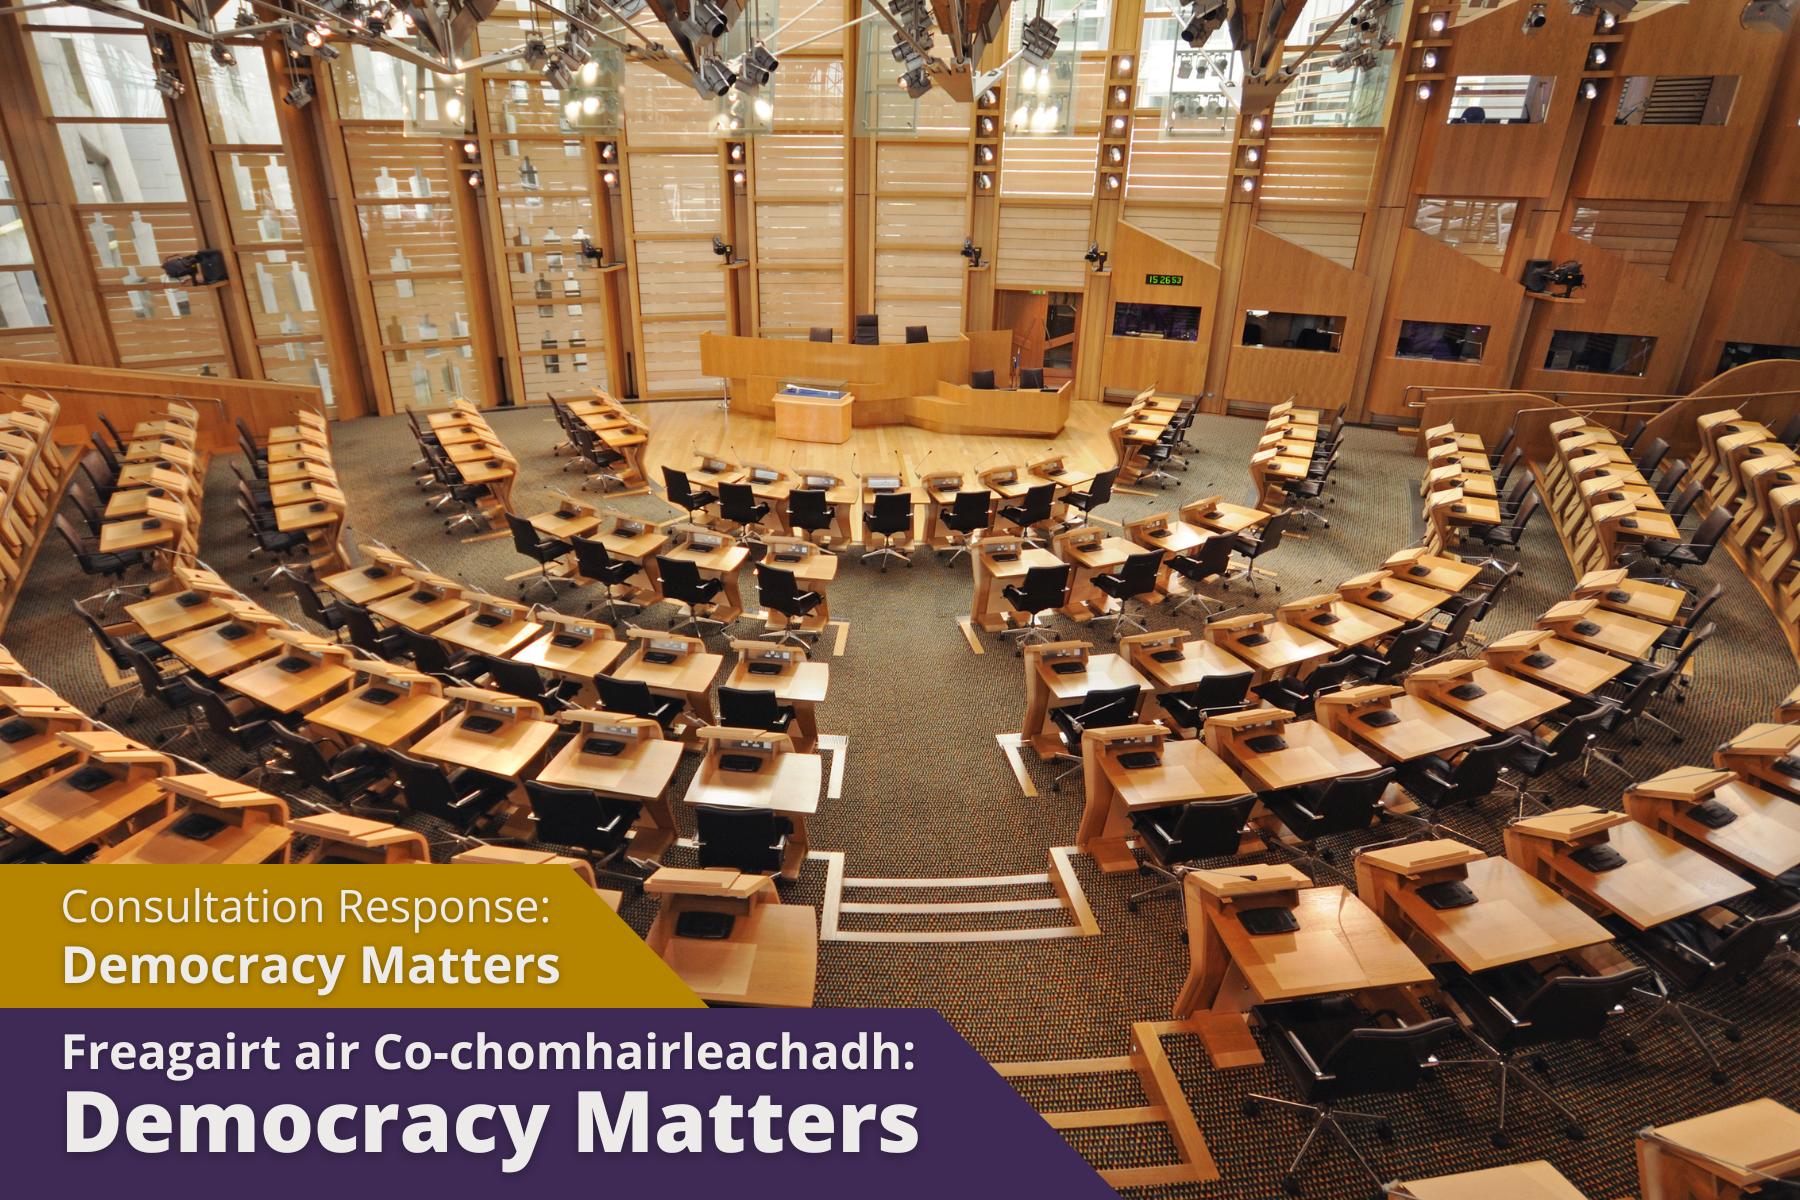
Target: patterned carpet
928, 793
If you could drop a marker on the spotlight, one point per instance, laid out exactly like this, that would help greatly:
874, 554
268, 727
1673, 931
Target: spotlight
737, 177
1202, 21
535, 53
1112, 183
607, 151
1249, 183
609, 177
1252, 154
1431, 60
916, 81
972, 252
1590, 90
628, 8
244, 17
1597, 56
300, 95
221, 54
1115, 155
1038, 40
984, 181
1097, 256
1535, 17
706, 20
1257, 123
1612, 8
1424, 91
736, 152
1118, 124
197, 269
713, 78
575, 52
1125, 66
986, 126
984, 154
474, 179
1438, 22
471, 149
721, 247
557, 73
169, 84
1767, 16
759, 64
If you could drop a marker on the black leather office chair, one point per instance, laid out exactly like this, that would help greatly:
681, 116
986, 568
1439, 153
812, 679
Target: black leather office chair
1208, 564
821, 333
1692, 553
982, 380
1333, 1050
1507, 534
809, 511
1674, 471
1514, 1008
1582, 722
1044, 590
1650, 456
525, 681
1298, 694
1404, 645
1441, 641
354, 778
111, 641
598, 826
329, 617
1439, 783
684, 495
917, 334
683, 583
1134, 579
1103, 708
1180, 835
436, 658
1512, 496
633, 697
600, 459
753, 708
890, 517
1691, 952
1031, 378
752, 840
1098, 493
541, 549
289, 551
1252, 544
1508, 464
739, 505
94, 561
868, 330
81, 494
1212, 696
1632, 435
594, 561
779, 592
969, 514
1346, 804
173, 690
1032, 512
365, 635
462, 800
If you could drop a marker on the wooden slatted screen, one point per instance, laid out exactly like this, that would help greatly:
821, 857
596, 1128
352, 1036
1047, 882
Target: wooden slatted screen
1642, 232
1329, 234
1316, 169
1775, 227
1042, 245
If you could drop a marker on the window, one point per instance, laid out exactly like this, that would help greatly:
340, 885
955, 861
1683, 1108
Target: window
1738, 353
1500, 99
1292, 331
1327, 89
1676, 99
1176, 322
1441, 341
1599, 353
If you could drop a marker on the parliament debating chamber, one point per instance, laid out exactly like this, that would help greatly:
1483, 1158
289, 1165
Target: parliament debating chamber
1247, 552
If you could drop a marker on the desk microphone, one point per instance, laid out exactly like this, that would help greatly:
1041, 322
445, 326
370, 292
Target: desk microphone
920, 469
995, 454
853, 469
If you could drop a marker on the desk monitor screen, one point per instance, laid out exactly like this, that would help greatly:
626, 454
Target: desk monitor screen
764, 474
713, 465
629, 528
883, 483
1260, 922
16, 730
819, 482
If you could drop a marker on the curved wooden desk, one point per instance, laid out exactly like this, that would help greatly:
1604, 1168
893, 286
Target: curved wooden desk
923, 384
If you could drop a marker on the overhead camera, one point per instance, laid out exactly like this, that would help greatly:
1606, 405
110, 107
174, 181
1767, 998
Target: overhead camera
713, 78
721, 247
591, 252
1097, 256
1202, 21
758, 67
197, 269
706, 19
1535, 19
1541, 275
972, 252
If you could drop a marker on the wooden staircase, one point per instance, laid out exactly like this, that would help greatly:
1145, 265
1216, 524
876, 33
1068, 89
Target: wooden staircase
1164, 1104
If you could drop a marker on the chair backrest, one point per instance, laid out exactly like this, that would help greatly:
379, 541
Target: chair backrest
1649, 686
66, 529
630, 696
1707, 536
1634, 433
149, 678
1506, 440
1651, 455
1696, 638
868, 330
1351, 802
106, 453
1031, 377
746, 838
311, 606
1747, 946
749, 708
1577, 732
1105, 708
1457, 629
681, 494
1101, 490
428, 654
808, 505
1678, 507
1508, 462
94, 471
680, 578
1213, 557
820, 333
891, 514
917, 333
1138, 573
578, 817
1374, 1059
1576, 1006
362, 628
525, 537
972, 510
777, 589
514, 678
219, 717
1037, 502
1403, 647
592, 558
1209, 829
1272, 532
108, 644
1515, 492
303, 755
981, 380
1045, 587
1711, 597
1221, 691
427, 786
1673, 473
1330, 675
737, 502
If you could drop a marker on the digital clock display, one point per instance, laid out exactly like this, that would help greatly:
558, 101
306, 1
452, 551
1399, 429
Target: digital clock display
1165, 280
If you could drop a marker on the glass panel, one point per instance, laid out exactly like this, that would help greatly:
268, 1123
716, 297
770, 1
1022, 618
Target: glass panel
122, 164
259, 197
69, 14
369, 86
38, 344
399, 240
1598, 353
1500, 99
1175, 322
432, 378
238, 102
279, 286
1446, 343
679, 278
98, 75
1479, 228
531, 166
15, 247
1292, 331
130, 247
22, 303
1342, 89
1738, 353
420, 310
302, 363
1190, 85
1676, 99
151, 324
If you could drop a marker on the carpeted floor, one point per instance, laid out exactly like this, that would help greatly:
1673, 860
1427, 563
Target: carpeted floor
927, 793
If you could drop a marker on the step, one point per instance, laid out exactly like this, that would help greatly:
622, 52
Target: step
1033, 906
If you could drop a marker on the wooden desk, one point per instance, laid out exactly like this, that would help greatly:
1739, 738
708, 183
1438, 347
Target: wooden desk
343, 838
1573, 670
723, 563
1400, 598
1660, 881
1199, 660
1187, 771
65, 819
1046, 689
286, 692
1764, 839
1432, 570
1352, 624
420, 617
391, 726
255, 828
770, 959
1341, 945
1221, 516
366, 584
212, 654
578, 663
1090, 556
801, 684
1721, 1155
1522, 1181
990, 610
788, 784
1616, 633
1506, 703
166, 615
801, 418
1515, 918
118, 536
1285, 649
1423, 727
507, 752
1314, 754
1618, 592
690, 677
470, 632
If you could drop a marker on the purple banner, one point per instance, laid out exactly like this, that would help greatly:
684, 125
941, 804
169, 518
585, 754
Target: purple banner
459, 1103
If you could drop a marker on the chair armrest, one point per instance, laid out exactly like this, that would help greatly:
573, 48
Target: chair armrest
1306, 1057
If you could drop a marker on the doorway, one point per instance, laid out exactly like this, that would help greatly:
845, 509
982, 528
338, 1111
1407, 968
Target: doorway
1043, 325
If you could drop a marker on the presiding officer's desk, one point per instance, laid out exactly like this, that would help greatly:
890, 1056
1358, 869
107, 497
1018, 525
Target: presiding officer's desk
1754, 830
1339, 944
1659, 880
925, 384
769, 957
1720, 1155
1183, 771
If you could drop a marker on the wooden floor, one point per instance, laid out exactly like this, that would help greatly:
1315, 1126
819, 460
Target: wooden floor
680, 429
